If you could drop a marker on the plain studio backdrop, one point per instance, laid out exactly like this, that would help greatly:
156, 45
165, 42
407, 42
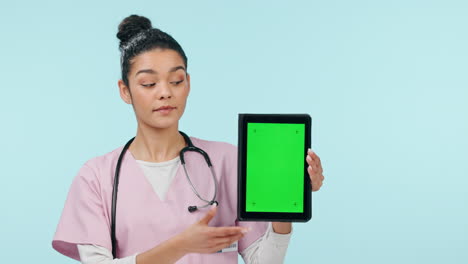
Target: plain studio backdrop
385, 82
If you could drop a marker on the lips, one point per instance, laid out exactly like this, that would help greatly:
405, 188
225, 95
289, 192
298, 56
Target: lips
165, 107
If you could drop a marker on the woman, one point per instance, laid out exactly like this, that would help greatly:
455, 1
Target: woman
153, 224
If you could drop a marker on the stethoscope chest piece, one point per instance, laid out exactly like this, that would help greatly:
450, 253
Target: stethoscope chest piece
194, 208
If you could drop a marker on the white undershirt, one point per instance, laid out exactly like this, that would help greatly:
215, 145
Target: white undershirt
160, 174
269, 248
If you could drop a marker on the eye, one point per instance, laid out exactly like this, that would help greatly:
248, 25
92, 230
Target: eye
148, 85
177, 83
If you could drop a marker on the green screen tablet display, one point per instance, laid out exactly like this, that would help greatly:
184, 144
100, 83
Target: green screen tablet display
275, 167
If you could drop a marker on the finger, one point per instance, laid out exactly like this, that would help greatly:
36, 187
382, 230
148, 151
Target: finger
314, 179
317, 186
228, 231
318, 162
314, 157
309, 160
313, 165
312, 154
209, 215
311, 171
317, 157
228, 240
320, 168
312, 161
319, 182
314, 185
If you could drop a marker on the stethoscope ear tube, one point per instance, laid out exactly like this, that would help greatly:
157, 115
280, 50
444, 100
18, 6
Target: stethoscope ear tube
114, 197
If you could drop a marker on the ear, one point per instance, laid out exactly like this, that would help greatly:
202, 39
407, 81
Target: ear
124, 92
188, 83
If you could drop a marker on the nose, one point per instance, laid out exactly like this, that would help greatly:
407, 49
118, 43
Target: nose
164, 90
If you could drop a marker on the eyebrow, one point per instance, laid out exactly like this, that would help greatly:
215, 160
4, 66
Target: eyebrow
173, 69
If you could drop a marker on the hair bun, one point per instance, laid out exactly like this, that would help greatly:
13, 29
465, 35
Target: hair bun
131, 26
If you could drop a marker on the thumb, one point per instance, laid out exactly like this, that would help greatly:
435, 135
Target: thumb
209, 215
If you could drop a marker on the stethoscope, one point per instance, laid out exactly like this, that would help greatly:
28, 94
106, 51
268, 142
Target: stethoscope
192, 208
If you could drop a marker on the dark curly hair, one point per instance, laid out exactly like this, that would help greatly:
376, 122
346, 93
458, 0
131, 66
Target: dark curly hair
136, 36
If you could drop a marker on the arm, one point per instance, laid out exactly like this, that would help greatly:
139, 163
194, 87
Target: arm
94, 254
166, 252
198, 238
282, 227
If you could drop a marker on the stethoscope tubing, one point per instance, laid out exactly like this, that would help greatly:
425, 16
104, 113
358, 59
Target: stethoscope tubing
189, 147
195, 191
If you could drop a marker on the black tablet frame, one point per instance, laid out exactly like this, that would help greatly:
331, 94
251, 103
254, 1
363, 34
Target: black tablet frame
242, 214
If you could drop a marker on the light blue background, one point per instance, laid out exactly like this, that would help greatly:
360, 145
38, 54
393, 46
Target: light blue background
385, 82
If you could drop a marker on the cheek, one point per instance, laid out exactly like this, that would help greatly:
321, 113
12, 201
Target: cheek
183, 94
141, 102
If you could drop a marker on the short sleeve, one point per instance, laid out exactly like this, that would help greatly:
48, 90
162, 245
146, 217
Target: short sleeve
83, 219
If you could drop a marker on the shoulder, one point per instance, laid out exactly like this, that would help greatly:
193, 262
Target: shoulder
215, 147
95, 167
103, 160
212, 144
222, 154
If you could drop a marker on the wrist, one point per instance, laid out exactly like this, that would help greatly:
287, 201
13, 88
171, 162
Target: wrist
169, 251
178, 244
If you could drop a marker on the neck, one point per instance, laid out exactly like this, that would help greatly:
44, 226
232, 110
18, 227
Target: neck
157, 144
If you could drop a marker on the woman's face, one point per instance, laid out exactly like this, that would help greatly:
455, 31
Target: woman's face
157, 78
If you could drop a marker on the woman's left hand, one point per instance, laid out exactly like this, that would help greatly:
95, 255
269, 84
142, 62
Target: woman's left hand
315, 170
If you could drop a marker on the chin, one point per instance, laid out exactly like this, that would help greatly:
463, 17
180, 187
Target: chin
165, 123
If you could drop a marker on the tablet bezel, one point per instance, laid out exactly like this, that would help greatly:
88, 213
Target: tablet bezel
242, 214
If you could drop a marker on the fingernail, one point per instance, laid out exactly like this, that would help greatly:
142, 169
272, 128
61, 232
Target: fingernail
245, 230
213, 206
309, 158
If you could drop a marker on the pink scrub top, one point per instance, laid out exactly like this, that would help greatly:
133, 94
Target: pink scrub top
143, 220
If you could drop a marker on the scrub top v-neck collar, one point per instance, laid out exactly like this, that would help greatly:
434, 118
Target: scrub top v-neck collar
140, 176
160, 174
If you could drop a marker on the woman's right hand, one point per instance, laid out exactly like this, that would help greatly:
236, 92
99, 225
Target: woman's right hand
201, 238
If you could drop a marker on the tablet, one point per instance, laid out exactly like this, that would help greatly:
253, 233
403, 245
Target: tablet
273, 182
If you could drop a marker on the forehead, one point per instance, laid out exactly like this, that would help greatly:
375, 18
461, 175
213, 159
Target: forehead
159, 60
